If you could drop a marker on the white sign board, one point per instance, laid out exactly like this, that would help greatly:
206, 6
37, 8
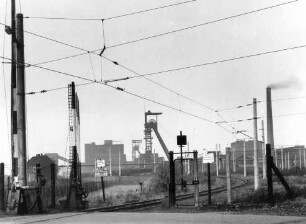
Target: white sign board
208, 157
101, 170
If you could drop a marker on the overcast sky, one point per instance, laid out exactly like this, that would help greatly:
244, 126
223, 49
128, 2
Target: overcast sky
110, 114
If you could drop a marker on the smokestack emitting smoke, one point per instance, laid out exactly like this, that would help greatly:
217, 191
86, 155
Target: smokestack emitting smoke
270, 138
292, 81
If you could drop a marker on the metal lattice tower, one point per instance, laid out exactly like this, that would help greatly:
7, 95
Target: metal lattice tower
135, 148
148, 139
74, 129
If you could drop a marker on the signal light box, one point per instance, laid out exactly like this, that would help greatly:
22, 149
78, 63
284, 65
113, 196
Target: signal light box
181, 140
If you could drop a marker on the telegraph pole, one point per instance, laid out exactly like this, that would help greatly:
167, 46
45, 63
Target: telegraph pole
264, 171
256, 176
20, 104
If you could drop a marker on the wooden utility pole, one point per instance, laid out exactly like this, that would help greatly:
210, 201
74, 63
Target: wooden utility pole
244, 159
196, 179
269, 172
103, 188
256, 173
172, 180
217, 161
53, 184
20, 104
208, 183
228, 176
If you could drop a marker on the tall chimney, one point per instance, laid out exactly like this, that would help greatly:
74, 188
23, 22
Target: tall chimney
270, 138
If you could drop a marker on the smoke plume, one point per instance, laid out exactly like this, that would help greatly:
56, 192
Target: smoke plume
291, 82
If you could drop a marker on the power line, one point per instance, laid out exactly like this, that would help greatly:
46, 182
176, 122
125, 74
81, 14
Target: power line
259, 101
250, 119
58, 88
62, 58
158, 35
220, 61
114, 62
202, 24
139, 75
119, 89
112, 17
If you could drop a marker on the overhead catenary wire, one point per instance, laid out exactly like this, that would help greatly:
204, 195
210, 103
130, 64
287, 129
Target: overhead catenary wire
58, 88
162, 34
119, 89
222, 61
259, 101
250, 119
139, 75
92, 68
201, 24
111, 17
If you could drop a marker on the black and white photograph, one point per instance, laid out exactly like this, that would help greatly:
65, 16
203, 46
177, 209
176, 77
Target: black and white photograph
153, 111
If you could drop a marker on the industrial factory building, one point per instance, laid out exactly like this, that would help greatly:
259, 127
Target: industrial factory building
110, 151
45, 161
237, 152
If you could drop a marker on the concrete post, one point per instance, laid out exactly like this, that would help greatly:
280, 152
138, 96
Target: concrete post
304, 157
228, 176
286, 163
53, 183
282, 157
233, 157
217, 161
300, 158
256, 173
270, 137
289, 167
20, 104
2, 198
120, 164
14, 153
275, 155
154, 162
264, 165
196, 179
110, 161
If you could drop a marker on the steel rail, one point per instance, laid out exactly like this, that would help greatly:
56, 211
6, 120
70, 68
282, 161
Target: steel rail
147, 203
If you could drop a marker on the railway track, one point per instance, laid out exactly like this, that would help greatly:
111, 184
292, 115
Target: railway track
236, 183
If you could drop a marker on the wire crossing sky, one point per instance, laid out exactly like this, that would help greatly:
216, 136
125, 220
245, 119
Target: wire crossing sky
176, 41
